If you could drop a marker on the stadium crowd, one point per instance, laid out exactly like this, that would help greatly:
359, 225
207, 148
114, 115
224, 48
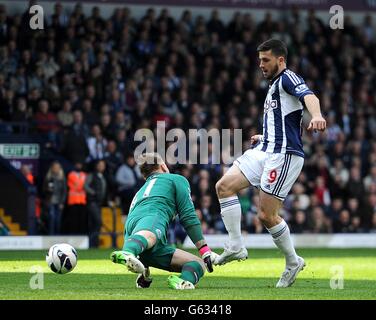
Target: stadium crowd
86, 84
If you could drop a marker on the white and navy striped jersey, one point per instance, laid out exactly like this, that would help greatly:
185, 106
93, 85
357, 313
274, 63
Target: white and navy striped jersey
283, 113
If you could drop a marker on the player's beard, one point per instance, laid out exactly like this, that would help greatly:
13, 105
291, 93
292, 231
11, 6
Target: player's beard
273, 73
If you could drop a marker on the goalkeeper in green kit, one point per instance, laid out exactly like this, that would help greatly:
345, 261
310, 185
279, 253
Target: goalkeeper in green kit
153, 207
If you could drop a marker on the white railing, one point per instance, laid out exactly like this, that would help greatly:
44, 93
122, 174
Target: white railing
41, 242
363, 240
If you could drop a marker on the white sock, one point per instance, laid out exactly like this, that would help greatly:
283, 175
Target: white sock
231, 215
282, 239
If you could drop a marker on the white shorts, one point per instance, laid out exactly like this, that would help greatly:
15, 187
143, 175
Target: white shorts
273, 173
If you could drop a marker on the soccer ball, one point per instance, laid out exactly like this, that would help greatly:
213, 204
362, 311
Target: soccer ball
61, 258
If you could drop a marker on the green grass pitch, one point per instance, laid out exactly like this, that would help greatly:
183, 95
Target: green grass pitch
96, 277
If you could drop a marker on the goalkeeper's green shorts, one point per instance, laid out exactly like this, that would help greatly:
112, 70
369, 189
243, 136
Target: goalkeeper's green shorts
160, 255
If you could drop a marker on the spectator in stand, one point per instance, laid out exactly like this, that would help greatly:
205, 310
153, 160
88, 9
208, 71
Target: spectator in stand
373, 223
369, 210
114, 160
342, 223
117, 104
339, 177
207, 218
320, 223
299, 194
355, 186
18, 81
121, 122
335, 208
26, 171
129, 179
370, 178
96, 190
47, 124
123, 142
204, 225
97, 144
356, 225
107, 126
37, 219
353, 206
75, 146
65, 116
90, 115
21, 114
333, 130
299, 222
55, 191
322, 192
8, 101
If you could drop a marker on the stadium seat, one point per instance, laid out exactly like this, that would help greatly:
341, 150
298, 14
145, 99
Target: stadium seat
14, 228
109, 227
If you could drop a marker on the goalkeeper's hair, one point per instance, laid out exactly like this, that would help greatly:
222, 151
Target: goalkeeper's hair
149, 162
277, 47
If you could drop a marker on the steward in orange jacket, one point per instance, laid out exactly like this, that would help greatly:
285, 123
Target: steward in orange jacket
76, 190
75, 218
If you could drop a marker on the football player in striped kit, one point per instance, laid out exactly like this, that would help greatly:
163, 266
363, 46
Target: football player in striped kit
274, 162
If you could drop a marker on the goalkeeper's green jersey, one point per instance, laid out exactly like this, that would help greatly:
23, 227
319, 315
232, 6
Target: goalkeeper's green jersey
165, 195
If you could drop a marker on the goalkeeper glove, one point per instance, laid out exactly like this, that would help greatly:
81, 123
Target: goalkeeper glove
206, 255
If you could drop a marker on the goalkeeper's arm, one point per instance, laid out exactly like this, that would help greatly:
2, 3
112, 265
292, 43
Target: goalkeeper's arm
194, 232
190, 221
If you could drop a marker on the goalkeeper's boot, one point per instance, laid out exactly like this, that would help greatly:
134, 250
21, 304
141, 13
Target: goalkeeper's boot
129, 260
174, 282
289, 275
230, 255
144, 280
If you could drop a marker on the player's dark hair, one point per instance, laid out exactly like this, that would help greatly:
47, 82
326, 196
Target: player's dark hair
149, 162
277, 47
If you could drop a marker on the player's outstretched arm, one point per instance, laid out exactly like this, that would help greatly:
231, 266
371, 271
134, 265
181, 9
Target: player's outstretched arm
192, 226
190, 221
313, 105
295, 86
205, 252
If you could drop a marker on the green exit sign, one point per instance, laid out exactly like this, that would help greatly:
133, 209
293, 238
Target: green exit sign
20, 151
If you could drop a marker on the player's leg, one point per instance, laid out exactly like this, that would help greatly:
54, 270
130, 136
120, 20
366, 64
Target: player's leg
279, 175
279, 230
192, 269
246, 171
142, 237
269, 216
166, 257
134, 245
158, 254
139, 242
227, 188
